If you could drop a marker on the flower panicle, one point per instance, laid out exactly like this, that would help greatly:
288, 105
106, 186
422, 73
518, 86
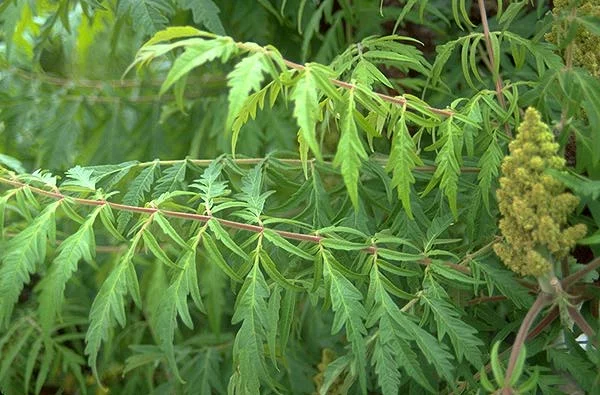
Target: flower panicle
533, 204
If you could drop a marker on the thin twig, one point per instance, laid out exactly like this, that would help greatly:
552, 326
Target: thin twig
485, 299
202, 218
292, 162
399, 100
541, 301
490, 51
568, 281
582, 324
543, 324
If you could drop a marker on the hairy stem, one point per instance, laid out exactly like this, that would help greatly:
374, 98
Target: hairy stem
541, 301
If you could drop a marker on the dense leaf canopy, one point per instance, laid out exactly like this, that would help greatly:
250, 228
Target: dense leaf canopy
273, 196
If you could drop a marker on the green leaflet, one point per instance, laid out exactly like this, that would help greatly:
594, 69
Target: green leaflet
108, 307
171, 179
80, 245
273, 272
505, 280
348, 312
245, 78
195, 55
173, 32
350, 150
21, 257
224, 237
248, 350
306, 109
391, 347
149, 15
204, 375
279, 241
489, 164
436, 353
136, 193
168, 229
448, 161
214, 255
174, 303
403, 159
448, 320
151, 243
206, 13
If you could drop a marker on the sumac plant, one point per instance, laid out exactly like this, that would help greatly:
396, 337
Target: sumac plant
299, 197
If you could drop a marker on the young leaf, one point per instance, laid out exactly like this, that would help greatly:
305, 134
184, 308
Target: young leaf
349, 312
489, 164
136, 193
20, 257
248, 348
449, 321
80, 245
245, 78
174, 302
80, 179
196, 55
403, 159
448, 164
206, 13
306, 109
107, 307
350, 150
171, 180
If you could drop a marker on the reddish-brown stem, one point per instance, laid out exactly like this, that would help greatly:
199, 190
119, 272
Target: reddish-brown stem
399, 100
568, 281
544, 322
582, 324
293, 162
540, 302
485, 299
202, 218
492, 60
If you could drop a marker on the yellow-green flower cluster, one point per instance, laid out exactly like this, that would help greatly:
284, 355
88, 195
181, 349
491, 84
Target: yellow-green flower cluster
534, 205
586, 46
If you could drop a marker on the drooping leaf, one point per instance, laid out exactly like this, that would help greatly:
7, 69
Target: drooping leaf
149, 15
306, 109
403, 159
350, 150
206, 13
20, 258
448, 319
195, 55
245, 78
175, 301
80, 245
349, 312
108, 307
248, 348
489, 163
171, 180
136, 193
